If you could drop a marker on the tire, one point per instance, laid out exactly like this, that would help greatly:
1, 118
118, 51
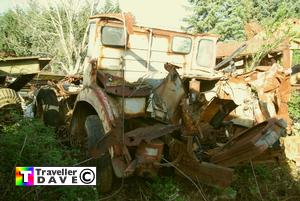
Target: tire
9, 97
95, 132
10, 104
47, 107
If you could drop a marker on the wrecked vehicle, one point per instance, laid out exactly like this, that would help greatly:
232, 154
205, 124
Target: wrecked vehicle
15, 73
152, 98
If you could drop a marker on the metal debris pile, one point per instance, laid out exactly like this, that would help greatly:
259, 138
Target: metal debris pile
225, 122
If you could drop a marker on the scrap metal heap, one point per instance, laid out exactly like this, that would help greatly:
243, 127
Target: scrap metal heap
224, 122
158, 99
209, 126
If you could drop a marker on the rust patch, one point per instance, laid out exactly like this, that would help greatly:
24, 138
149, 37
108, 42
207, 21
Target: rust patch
249, 144
114, 85
207, 173
135, 137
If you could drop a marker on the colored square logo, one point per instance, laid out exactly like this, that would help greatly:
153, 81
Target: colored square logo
24, 176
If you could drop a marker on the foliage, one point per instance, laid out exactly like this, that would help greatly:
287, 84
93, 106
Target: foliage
296, 57
219, 17
294, 112
55, 29
228, 18
12, 38
29, 143
41, 147
294, 106
165, 189
274, 182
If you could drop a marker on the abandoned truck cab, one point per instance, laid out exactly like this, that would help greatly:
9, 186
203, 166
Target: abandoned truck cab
142, 52
119, 49
142, 104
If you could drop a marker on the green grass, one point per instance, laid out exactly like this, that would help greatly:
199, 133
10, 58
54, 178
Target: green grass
294, 112
296, 57
166, 189
28, 142
294, 106
42, 147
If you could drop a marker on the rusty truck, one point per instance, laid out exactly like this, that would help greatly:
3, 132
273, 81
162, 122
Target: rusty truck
153, 98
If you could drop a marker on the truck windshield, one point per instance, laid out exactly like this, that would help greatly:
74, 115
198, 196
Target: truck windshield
205, 54
113, 36
181, 45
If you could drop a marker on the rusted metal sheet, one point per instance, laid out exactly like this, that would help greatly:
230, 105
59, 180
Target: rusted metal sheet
24, 68
22, 65
271, 155
224, 49
21, 81
135, 137
114, 85
99, 101
273, 89
216, 111
188, 96
49, 76
190, 123
208, 173
167, 96
133, 107
127, 18
148, 156
249, 144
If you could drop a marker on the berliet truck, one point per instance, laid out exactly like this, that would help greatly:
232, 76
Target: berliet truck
153, 98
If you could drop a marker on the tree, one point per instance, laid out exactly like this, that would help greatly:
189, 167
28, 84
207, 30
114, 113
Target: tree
57, 29
12, 39
220, 17
228, 17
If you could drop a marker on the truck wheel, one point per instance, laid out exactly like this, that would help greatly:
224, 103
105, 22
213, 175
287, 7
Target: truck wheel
9, 101
95, 132
9, 97
47, 107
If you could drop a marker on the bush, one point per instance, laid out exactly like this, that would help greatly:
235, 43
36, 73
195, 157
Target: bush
165, 189
28, 142
294, 106
294, 111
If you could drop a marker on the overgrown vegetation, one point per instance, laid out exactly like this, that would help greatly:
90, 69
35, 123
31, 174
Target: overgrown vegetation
294, 106
294, 112
165, 189
28, 142
56, 29
59, 32
296, 57
274, 182
227, 18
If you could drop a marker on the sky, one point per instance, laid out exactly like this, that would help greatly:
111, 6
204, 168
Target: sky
155, 13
